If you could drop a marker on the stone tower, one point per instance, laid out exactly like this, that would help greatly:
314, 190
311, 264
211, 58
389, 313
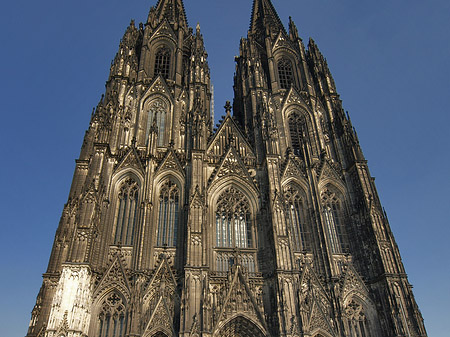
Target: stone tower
269, 225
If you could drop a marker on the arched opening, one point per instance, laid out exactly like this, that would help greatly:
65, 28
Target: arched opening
112, 317
156, 120
297, 218
159, 334
126, 211
168, 214
240, 327
233, 220
297, 132
333, 213
285, 73
234, 242
358, 323
162, 62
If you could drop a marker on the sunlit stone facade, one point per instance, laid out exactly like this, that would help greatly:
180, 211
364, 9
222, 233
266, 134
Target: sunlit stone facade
268, 225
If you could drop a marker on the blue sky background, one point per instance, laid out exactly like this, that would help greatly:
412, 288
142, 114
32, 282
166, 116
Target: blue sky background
390, 61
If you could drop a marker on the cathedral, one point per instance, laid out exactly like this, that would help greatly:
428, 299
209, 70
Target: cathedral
266, 224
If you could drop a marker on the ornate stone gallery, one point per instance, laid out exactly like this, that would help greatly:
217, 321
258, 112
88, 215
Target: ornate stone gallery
268, 225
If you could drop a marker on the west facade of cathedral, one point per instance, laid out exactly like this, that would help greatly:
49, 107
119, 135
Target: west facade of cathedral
268, 225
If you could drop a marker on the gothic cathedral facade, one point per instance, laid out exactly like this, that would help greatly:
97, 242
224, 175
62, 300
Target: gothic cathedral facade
268, 225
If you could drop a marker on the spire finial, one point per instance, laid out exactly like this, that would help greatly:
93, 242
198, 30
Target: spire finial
227, 107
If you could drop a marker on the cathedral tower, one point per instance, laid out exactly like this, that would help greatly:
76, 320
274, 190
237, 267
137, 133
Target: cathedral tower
269, 225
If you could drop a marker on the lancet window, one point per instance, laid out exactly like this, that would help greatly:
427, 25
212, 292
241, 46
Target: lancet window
285, 73
162, 62
334, 222
112, 319
168, 214
126, 212
156, 120
297, 219
297, 131
233, 220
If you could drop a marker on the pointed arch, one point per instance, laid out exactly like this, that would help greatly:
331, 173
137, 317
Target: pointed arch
126, 212
320, 333
168, 196
162, 62
240, 326
233, 212
285, 69
126, 200
297, 216
159, 334
161, 48
168, 213
156, 111
233, 219
246, 187
299, 125
111, 315
334, 216
360, 316
297, 131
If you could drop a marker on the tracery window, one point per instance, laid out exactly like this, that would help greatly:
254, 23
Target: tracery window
332, 212
162, 62
234, 238
297, 219
112, 319
169, 201
240, 326
126, 212
233, 222
157, 119
285, 73
297, 131
357, 323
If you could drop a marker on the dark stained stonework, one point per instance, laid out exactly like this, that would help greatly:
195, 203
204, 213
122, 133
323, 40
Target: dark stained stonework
268, 225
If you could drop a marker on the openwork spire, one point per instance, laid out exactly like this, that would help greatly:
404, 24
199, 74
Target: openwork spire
173, 11
264, 17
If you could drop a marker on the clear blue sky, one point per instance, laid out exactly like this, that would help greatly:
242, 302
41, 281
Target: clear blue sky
390, 61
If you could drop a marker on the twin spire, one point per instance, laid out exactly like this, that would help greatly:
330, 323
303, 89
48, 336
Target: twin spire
263, 16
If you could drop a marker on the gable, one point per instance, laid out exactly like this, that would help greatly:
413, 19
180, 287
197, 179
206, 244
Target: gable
294, 97
161, 319
229, 133
114, 278
282, 42
164, 30
130, 159
162, 280
351, 283
170, 163
239, 293
329, 170
293, 169
231, 165
158, 86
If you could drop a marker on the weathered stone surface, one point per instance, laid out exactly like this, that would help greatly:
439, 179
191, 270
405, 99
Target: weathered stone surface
268, 226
